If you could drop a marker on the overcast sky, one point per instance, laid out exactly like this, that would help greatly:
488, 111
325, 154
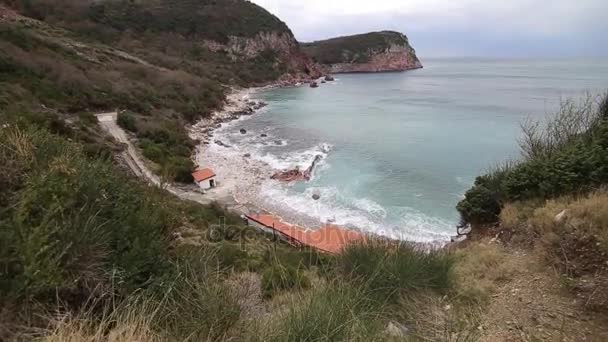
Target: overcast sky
490, 28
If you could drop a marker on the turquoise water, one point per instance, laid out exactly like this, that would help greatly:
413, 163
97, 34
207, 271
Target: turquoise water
402, 148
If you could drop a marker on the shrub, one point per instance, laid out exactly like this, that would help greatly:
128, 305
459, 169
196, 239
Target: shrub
127, 121
567, 156
480, 205
278, 277
181, 169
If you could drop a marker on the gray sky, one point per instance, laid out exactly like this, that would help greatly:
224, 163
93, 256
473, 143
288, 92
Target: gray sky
487, 28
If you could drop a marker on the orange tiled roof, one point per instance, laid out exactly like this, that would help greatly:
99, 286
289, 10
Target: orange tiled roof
329, 238
203, 174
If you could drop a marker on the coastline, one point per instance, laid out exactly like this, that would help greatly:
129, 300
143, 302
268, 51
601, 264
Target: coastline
239, 177
244, 178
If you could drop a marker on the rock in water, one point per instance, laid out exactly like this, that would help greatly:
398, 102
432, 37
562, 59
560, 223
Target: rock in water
243, 131
263, 135
314, 84
329, 78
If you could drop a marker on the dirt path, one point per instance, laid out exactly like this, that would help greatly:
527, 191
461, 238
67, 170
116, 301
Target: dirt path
534, 306
136, 163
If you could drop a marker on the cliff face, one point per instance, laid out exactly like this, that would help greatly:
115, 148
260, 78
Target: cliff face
282, 45
370, 52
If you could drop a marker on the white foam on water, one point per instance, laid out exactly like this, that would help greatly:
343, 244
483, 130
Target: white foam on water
301, 159
361, 213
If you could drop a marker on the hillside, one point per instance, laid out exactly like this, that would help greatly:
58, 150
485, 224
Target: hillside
165, 64
369, 52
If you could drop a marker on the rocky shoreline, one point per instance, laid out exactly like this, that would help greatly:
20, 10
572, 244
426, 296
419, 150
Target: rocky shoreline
240, 177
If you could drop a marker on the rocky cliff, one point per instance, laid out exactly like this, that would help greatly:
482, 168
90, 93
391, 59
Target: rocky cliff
280, 45
370, 52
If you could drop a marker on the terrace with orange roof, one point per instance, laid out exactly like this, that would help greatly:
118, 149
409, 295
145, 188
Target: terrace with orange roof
328, 238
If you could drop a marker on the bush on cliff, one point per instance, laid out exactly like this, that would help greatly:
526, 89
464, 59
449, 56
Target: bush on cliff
567, 156
127, 121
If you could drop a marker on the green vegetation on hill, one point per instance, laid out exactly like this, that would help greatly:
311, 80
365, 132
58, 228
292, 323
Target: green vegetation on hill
147, 58
194, 19
353, 49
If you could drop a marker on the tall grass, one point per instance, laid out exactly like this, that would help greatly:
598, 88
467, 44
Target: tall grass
198, 305
388, 270
335, 312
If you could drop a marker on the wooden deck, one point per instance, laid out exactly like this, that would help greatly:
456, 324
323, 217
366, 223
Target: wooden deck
328, 238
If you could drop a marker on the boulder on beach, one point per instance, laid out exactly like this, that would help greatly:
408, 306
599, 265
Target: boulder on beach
247, 155
263, 135
243, 131
278, 142
329, 78
220, 143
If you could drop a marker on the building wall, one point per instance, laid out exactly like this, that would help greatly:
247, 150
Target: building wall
206, 184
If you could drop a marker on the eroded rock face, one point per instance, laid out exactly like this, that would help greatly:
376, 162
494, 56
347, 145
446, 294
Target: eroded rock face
395, 58
282, 44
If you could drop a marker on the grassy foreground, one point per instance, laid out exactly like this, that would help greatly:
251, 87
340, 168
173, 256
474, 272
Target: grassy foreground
92, 254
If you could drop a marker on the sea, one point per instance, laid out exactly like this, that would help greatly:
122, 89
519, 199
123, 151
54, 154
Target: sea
400, 149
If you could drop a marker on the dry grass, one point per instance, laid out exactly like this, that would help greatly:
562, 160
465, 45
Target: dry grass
585, 215
480, 270
129, 323
571, 234
433, 318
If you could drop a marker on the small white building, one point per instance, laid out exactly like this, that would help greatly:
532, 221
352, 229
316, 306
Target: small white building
205, 178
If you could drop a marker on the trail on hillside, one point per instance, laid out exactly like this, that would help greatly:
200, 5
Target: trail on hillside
136, 163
